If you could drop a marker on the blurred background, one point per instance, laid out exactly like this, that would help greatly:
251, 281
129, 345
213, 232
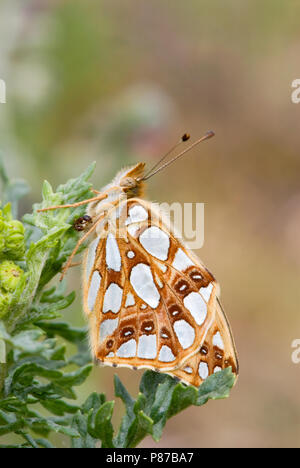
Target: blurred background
118, 82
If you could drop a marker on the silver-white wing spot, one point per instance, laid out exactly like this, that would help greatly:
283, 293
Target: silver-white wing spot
166, 354
133, 229
156, 242
147, 347
130, 254
181, 261
217, 369
159, 282
185, 333
206, 292
197, 307
113, 257
217, 341
188, 370
142, 282
93, 290
203, 370
162, 267
113, 298
127, 349
107, 328
136, 214
129, 300
91, 256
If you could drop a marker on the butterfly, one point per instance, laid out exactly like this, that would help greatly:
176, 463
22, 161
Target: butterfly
149, 300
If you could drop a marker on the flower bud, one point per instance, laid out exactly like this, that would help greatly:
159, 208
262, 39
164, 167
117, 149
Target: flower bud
10, 275
12, 242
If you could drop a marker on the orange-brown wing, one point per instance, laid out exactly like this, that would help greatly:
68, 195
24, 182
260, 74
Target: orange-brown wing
217, 353
146, 295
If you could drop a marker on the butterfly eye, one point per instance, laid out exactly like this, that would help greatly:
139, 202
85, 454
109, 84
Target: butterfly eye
128, 182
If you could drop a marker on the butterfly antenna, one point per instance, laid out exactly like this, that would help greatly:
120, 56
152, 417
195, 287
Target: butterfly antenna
185, 137
208, 135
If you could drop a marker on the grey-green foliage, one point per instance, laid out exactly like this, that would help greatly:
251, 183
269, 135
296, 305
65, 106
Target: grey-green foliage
36, 371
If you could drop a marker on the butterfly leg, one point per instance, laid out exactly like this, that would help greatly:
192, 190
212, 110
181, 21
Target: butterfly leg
83, 238
74, 205
75, 264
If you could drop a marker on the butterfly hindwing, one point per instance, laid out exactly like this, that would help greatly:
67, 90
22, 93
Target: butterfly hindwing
216, 353
155, 301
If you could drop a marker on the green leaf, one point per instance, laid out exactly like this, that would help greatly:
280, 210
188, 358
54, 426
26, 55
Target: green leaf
149, 384
216, 387
85, 440
162, 399
100, 426
135, 424
161, 406
141, 427
28, 341
25, 373
59, 407
48, 311
75, 378
44, 426
9, 423
121, 392
43, 443
66, 331
35, 259
94, 401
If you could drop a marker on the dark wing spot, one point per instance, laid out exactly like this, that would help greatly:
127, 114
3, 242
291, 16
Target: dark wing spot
147, 326
218, 355
126, 332
174, 310
164, 333
196, 276
110, 344
204, 350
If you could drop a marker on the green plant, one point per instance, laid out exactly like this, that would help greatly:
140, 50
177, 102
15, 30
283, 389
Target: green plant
37, 376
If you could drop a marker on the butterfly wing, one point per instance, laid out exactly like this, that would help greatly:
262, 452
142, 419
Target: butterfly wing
150, 301
216, 353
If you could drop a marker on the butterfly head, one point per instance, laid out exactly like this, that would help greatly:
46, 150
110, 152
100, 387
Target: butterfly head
130, 180
128, 183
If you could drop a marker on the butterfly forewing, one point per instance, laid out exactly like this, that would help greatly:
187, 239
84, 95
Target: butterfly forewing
150, 302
